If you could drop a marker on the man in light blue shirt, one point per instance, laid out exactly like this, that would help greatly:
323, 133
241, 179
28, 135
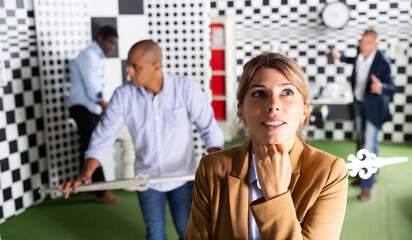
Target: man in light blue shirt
86, 102
157, 108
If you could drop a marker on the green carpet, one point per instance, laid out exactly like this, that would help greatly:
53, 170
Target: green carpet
387, 216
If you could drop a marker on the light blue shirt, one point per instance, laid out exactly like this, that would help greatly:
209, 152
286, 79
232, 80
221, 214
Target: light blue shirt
255, 192
160, 127
86, 77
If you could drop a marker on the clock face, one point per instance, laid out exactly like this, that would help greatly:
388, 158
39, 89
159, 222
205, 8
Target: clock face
335, 15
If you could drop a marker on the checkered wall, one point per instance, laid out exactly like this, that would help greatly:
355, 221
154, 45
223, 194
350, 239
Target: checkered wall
63, 29
22, 145
296, 29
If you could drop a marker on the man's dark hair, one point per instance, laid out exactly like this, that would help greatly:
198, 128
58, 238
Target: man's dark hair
107, 31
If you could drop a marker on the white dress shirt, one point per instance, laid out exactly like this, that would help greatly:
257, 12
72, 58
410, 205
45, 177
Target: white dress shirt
160, 127
363, 67
255, 192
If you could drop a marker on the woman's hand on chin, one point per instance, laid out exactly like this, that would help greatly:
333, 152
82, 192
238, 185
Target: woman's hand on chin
273, 169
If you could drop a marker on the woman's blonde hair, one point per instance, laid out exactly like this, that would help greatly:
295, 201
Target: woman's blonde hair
287, 66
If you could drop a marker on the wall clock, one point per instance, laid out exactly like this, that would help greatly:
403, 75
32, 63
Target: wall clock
335, 15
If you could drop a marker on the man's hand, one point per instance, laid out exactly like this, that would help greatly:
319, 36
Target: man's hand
80, 180
376, 86
273, 169
102, 104
89, 166
335, 53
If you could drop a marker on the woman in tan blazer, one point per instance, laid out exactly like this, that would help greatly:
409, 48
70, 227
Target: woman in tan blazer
273, 186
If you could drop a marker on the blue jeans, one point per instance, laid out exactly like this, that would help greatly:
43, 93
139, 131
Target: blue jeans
368, 138
153, 204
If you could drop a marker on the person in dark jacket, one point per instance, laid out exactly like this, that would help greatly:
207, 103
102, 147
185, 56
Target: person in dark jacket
372, 85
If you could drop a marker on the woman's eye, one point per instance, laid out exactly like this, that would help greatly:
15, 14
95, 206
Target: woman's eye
258, 93
287, 92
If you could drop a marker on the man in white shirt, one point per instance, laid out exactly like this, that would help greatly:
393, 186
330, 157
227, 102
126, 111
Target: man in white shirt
372, 85
157, 108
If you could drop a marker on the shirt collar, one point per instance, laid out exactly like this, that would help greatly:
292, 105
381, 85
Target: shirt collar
166, 87
369, 59
167, 83
252, 174
98, 49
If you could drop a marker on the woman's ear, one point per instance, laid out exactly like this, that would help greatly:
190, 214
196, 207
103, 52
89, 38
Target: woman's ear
306, 109
239, 112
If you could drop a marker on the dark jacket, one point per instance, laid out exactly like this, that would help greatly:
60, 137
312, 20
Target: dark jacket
376, 105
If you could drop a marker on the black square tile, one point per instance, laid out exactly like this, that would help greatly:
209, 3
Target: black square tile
15, 175
8, 88
4, 165
37, 96
35, 71
32, 140
20, 3
27, 84
7, 194
10, 13
124, 68
2, 134
25, 62
39, 124
36, 195
16, 73
10, 117
13, 146
45, 177
42, 151
131, 7
24, 157
29, 112
27, 185
21, 128
329, 135
1, 104
18, 98
34, 168
18, 203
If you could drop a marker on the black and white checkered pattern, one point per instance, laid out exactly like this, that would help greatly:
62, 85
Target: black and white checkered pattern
22, 144
295, 29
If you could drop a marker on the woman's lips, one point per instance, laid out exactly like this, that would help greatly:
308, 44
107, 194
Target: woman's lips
273, 123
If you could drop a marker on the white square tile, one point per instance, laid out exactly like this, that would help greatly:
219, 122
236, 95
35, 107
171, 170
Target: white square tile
6, 179
17, 189
131, 29
11, 132
14, 161
23, 143
28, 199
108, 8
25, 171
112, 77
8, 208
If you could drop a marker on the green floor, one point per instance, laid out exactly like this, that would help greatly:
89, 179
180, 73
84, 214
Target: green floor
387, 216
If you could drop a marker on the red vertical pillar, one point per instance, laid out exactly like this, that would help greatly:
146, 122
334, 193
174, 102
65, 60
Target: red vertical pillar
217, 63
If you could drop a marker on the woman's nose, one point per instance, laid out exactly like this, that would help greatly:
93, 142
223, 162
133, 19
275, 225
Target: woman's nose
273, 106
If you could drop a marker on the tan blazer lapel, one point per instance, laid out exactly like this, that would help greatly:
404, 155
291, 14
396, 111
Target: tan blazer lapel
296, 158
238, 193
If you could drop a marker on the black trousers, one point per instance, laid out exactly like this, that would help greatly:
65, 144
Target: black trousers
86, 123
